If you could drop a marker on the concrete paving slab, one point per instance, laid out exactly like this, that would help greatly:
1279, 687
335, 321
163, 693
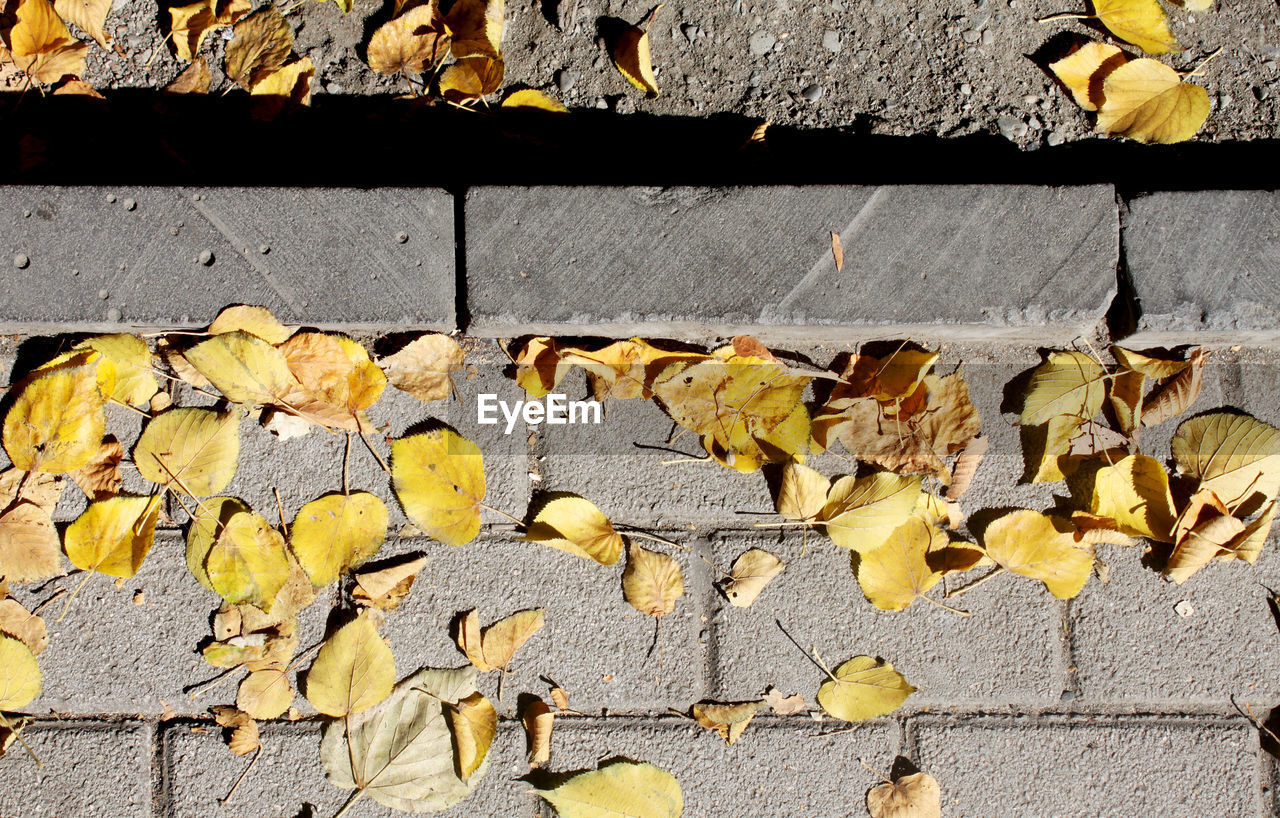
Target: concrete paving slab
288, 781
91, 770
1090, 767
1204, 266
790, 766
110, 259
1008, 653
956, 262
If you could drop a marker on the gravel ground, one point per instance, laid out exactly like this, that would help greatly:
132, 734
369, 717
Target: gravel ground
937, 67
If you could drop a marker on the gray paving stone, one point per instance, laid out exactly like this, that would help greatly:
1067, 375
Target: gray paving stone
998, 262
594, 644
334, 256
289, 778
778, 767
91, 770
1008, 653
1090, 767
1203, 265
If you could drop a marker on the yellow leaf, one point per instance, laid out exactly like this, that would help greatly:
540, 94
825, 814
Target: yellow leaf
863, 688
893, 575
1083, 70
1047, 443
471, 78
494, 647
88, 15
207, 522
911, 796
538, 721
1208, 536
248, 562
651, 582
1175, 396
631, 56
476, 27
727, 719
1068, 383
473, 722
1147, 100
336, 380
135, 381
750, 573
292, 83
194, 79
191, 23
901, 373
712, 396
1236, 456
257, 321
57, 421
802, 492
265, 694
966, 467
100, 478
1125, 396
1135, 493
1248, 544
620, 787
947, 557
20, 680
244, 737
411, 42
1027, 543
260, 44
41, 45
386, 587
529, 98
539, 367
29, 548
1147, 364
353, 671
439, 478
861, 513
336, 533
244, 367
574, 524
422, 367
1141, 22
194, 451
113, 536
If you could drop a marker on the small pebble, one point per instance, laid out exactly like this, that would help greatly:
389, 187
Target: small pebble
970, 36
1067, 696
21, 262
173, 231
111, 198
602, 104
197, 197
103, 294
206, 257
1261, 92
689, 31
1055, 138
26, 214
966, 88
812, 92
402, 237
988, 38
113, 314
1184, 609
264, 249
565, 80
754, 80
130, 204
831, 41
761, 43
1010, 127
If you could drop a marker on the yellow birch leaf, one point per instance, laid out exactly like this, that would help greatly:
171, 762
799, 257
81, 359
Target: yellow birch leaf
863, 688
1147, 101
895, 574
135, 381
574, 524
190, 24
911, 796
244, 367
411, 42
1135, 493
41, 45
1083, 69
353, 671
651, 582
57, 421
477, 28
423, 366
194, 451
861, 513
948, 557
1236, 456
265, 694
248, 562
899, 374
291, 83
88, 15
20, 680
439, 478
471, 78
1152, 366
113, 536
1177, 394
727, 719
494, 647
260, 44
539, 367
257, 321
473, 722
750, 573
1068, 383
29, 547
336, 533
631, 56
1027, 543
207, 522
531, 99
538, 721
802, 492
385, 588
1200, 544
1141, 22
620, 787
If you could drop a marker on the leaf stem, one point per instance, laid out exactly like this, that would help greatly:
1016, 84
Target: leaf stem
631, 532
965, 588
346, 461
501, 513
944, 606
87, 576
1066, 15
375, 454
1193, 72
236, 785
194, 691
816, 661
354, 798
18, 735
877, 772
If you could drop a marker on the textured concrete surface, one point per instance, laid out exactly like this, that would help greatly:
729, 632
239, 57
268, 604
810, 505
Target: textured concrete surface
1085, 767
1204, 266
107, 259
90, 769
718, 261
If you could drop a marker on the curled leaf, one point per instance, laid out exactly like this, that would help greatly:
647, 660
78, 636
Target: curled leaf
631, 55
574, 524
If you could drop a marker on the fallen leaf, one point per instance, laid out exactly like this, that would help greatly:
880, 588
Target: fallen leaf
1147, 101
540, 366
837, 251
385, 588
423, 367
135, 382
41, 45
911, 796
783, 705
265, 694
38, 488
561, 697
750, 573
1068, 383
259, 47
284, 425
190, 24
207, 522
194, 79
336, 533
574, 524
473, 722
619, 787
289, 86
21, 624
438, 477
1205, 530
532, 99
802, 492
1082, 71
256, 321
1135, 493
966, 467
1028, 543
895, 574
194, 451
651, 582
495, 646
100, 478
353, 671
1178, 393
471, 78
1125, 397
476, 26
411, 42
727, 719
1141, 22
538, 721
1234, 455
243, 738
631, 55
861, 513
56, 422
20, 680
88, 15
29, 547
863, 688
9, 732
336, 380
113, 536
244, 367
247, 562
1149, 364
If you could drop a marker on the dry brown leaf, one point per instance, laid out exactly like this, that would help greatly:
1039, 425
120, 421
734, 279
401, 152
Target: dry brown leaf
783, 705
29, 548
194, 79
837, 251
260, 46
411, 42
750, 573
494, 647
423, 367
190, 24
88, 15
746, 346
561, 697
385, 588
538, 721
1175, 396
243, 736
966, 466
100, 478
911, 796
471, 78
651, 582
727, 719
41, 45
473, 722
24, 626
477, 28
40, 489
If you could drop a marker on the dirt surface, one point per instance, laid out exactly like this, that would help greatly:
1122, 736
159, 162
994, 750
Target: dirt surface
938, 67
